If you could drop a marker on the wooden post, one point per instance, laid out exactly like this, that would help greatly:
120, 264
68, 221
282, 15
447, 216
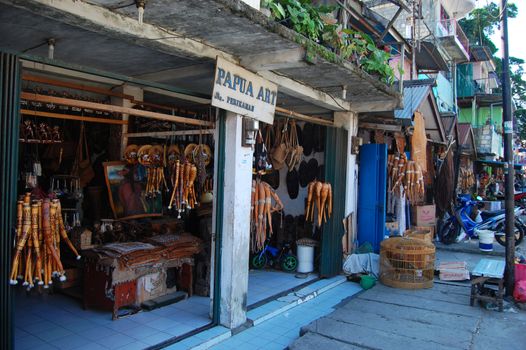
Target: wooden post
137, 94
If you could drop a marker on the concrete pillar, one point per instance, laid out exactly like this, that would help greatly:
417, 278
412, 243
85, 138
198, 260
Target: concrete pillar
349, 121
236, 225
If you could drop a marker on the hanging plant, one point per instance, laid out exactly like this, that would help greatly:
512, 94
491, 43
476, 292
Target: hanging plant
317, 24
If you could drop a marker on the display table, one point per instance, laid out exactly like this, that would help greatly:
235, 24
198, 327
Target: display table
127, 274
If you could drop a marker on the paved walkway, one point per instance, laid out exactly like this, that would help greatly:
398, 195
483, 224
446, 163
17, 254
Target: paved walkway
437, 318
280, 331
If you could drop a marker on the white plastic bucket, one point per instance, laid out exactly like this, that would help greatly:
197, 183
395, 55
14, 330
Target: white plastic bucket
486, 238
305, 259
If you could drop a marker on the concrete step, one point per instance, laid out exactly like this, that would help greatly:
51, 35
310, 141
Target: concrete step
215, 335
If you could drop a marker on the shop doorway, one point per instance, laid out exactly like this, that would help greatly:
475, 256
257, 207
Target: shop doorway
128, 179
286, 244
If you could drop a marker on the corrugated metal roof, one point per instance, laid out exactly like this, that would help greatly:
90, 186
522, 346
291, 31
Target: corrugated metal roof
413, 97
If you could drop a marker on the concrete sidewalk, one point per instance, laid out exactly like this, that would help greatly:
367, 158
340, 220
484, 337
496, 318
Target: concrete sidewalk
437, 318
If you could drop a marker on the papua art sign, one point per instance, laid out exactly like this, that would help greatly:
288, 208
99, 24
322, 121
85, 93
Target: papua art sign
242, 92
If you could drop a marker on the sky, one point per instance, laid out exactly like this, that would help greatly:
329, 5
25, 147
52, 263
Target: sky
516, 30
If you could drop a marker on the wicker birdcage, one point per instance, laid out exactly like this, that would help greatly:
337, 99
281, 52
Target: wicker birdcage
407, 263
423, 233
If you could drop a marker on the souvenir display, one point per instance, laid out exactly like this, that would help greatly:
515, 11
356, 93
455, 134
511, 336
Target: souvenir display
319, 195
405, 178
40, 229
31, 132
466, 179
261, 210
183, 193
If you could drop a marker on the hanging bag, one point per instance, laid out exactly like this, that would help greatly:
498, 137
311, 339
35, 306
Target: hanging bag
260, 155
295, 151
82, 165
279, 151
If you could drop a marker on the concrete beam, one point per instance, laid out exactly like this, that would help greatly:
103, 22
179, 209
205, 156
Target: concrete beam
112, 24
284, 59
190, 72
103, 21
293, 88
375, 106
185, 97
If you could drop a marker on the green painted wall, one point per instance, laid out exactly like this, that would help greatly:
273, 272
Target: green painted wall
464, 115
485, 113
482, 115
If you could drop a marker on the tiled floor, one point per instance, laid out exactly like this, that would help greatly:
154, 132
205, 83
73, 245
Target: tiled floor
263, 284
280, 331
59, 322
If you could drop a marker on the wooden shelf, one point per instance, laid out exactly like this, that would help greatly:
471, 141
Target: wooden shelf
113, 109
286, 113
72, 117
163, 134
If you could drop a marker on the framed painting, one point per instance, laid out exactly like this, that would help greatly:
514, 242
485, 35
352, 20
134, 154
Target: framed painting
126, 190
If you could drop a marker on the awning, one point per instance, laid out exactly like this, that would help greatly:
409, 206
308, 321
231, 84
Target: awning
498, 164
429, 58
480, 53
414, 94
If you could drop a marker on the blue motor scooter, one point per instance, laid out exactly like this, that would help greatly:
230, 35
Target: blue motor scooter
488, 220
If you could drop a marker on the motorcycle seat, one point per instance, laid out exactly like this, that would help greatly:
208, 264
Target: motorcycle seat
489, 214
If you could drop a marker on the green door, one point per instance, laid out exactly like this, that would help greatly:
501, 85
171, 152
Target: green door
335, 174
9, 124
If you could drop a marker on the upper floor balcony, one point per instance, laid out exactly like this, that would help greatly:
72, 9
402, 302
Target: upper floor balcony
470, 88
453, 39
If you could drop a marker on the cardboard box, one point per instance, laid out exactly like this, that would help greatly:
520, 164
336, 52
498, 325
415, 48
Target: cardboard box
453, 271
424, 215
454, 275
452, 265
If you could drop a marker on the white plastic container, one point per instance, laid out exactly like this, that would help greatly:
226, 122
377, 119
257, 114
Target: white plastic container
305, 259
486, 238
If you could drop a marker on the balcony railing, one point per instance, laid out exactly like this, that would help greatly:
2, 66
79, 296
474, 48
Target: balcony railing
450, 27
468, 88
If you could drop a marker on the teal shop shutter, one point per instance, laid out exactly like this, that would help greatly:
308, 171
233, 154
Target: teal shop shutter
335, 174
9, 124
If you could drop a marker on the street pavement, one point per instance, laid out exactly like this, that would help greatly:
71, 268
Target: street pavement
436, 318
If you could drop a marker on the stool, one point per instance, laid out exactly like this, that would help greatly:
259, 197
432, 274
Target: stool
488, 272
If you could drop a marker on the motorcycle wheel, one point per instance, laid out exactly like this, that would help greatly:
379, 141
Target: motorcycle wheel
289, 263
519, 234
259, 261
449, 232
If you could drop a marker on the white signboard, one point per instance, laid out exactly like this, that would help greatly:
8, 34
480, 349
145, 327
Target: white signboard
242, 92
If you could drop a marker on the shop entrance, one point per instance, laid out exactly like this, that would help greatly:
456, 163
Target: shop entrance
115, 199
287, 223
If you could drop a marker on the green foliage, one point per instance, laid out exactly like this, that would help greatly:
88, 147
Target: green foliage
300, 15
316, 23
479, 26
361, 49
481, 23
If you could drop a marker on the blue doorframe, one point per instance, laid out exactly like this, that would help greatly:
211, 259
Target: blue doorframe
372, 192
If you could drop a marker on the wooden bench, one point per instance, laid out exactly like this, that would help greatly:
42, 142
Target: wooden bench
488, 272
